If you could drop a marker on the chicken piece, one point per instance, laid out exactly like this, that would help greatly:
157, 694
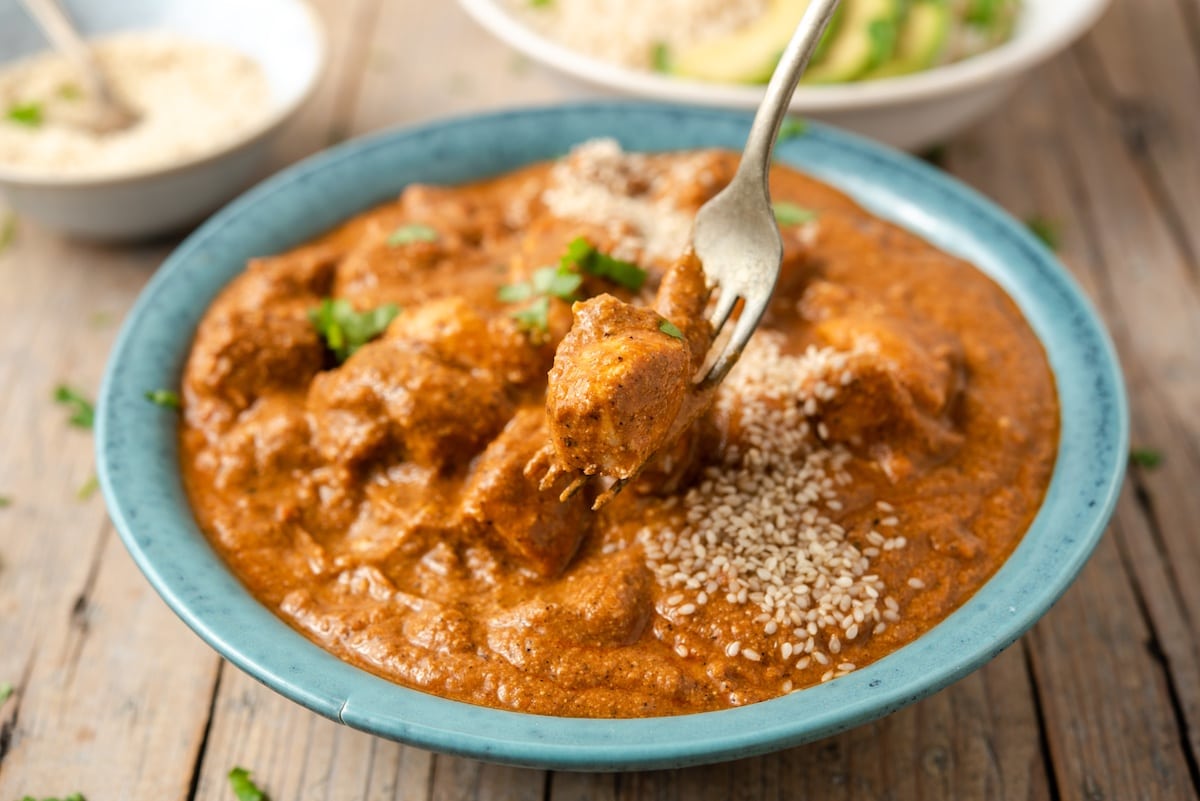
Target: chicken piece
622, 386
904, 384
532, 525
395, 393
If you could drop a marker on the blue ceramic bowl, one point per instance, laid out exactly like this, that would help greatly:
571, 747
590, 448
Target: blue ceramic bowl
137, 453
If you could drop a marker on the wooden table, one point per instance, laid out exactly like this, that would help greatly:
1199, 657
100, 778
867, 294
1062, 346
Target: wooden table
117, 699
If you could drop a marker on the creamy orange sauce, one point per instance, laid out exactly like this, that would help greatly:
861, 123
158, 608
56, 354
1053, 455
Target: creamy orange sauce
380, 506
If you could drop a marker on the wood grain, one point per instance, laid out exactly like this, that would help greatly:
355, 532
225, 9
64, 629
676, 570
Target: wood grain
115, 698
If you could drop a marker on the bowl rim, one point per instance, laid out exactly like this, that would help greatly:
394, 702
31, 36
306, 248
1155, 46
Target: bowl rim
261, 644
1018, 54
36, 178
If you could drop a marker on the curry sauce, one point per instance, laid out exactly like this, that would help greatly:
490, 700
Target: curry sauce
876, 455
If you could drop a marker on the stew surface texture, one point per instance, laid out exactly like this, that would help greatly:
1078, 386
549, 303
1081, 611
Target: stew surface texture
874, 457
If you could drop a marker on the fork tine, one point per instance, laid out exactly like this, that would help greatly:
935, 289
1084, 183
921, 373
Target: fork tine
752, 312
725, 303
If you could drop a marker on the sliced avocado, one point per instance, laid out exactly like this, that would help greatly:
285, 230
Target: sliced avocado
865, 39
921, 42
747, 55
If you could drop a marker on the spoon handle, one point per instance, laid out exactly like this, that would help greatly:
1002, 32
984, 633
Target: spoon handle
770, 114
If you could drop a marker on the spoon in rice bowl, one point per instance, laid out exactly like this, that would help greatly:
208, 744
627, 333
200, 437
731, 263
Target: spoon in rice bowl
110, 114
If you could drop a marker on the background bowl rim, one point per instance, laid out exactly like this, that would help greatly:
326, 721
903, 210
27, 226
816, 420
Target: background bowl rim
314, 678
37, 178
1020, 53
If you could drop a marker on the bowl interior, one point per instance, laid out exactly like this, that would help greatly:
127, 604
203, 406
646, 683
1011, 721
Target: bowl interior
281, 35
137, 455
1045, 26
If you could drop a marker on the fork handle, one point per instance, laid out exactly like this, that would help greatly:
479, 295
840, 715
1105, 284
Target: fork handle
761, 142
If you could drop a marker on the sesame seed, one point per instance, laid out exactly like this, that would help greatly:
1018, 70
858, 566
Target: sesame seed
916, 583
681, 650
751, 654
686, 609
733, 648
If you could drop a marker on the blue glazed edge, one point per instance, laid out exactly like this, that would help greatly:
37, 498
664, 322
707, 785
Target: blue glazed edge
136, 444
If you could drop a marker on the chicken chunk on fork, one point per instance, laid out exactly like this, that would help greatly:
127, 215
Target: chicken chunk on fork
622, 387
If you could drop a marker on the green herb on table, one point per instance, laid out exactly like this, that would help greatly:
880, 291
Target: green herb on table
791, 128
71, 797
83, 412
660, 57
27, 114
6, 691
5, 501
582, 254
540, 3
1148, 458
244, 787
407, 234
790, 214
8, 231
669, 328
70, 91
1045, 230
88, 488
935, 155
346, 330
165, 398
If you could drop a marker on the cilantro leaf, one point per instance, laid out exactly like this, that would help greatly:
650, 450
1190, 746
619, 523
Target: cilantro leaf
535, 317
5, 501
514, 293
244, 787
6, 691
669, 328
83, 413
346, 330
582, 254
407, 234
1149, 458
27, 114
660, 57
792, 127
790, 214
1045, 230
557, 282
8, 231
72, 797
165, 398
540, 3
88, 488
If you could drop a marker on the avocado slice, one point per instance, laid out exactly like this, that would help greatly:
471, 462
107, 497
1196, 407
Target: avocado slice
922, 40
748, 55
865, 39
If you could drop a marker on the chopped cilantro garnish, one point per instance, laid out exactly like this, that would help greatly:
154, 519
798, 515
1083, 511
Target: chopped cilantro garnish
515, 293
71, 797
790, 214
345, 330
5, 501
792, 127
1148, 458
935, 155
8, 231
407, 234
6, 691
244, 787
70, 91
540, 3
558, 282
28, 114
1045, 230
88, 488
668, 327
166, 398
535, 317
580, 253
83, 413
660, 57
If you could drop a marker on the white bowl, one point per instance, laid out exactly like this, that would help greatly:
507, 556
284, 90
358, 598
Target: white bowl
283, 36
911, 112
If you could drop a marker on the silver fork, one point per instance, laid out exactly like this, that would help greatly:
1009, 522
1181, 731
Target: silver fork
735, 236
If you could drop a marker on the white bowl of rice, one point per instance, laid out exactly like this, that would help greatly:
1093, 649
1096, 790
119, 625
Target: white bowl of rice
612, 46
211, 81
